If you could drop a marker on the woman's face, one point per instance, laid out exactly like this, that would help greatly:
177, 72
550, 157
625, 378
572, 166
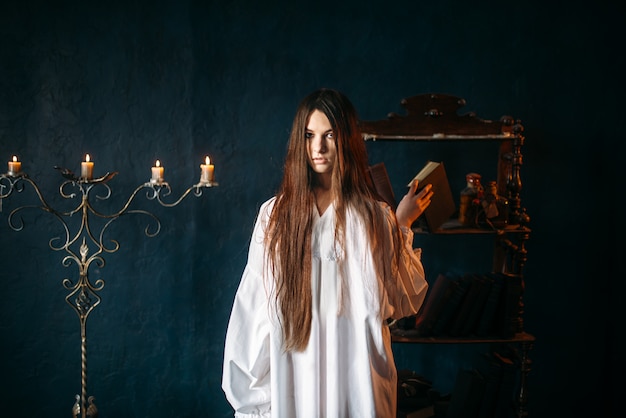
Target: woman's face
321, 148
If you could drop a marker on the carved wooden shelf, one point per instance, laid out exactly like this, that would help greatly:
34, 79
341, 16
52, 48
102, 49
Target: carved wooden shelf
436, 118
520, 337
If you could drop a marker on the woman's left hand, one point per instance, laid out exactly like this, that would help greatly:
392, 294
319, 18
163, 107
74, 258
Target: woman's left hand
413, 205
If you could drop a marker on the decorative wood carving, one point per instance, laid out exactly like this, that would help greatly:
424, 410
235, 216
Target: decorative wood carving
436, 116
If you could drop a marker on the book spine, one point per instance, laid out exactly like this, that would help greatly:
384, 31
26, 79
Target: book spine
486, 322
466, 306
477, 307
435, 302
442, 325
508, 316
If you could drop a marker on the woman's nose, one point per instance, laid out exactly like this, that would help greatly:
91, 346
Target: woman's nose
318, 145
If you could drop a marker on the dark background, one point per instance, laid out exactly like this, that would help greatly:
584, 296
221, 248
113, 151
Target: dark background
136, 81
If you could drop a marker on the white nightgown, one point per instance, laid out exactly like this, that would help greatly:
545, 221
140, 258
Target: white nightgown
347, 369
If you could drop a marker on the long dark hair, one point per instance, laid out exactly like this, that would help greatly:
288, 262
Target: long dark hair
288, 241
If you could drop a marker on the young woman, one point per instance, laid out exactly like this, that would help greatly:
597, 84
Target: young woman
328, 264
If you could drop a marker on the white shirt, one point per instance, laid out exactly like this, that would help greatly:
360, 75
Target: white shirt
347, 369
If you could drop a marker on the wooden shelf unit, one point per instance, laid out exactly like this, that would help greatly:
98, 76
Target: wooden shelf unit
435, 118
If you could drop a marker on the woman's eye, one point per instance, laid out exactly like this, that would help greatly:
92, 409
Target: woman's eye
308, 135
330, 135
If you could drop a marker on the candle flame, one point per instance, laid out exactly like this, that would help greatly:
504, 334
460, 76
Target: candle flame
158, 163
87, 159
207, 160
14, 159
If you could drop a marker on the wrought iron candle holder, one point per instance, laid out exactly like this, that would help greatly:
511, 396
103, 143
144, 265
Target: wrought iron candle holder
87, 246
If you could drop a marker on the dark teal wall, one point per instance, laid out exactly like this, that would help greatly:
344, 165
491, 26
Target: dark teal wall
177, 80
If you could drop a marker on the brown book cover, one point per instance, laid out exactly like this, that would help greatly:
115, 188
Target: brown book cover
472, 306
471, 323
436, 298
508, 310
442, 205
382, 184
459, 287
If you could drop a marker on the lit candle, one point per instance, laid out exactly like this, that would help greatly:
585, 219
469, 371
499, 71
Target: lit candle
86, 168
207, 171
14, 166
157, 173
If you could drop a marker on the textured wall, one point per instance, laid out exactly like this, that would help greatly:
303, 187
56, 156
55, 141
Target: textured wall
177, 80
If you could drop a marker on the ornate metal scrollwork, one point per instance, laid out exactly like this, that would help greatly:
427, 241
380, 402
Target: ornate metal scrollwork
86, 245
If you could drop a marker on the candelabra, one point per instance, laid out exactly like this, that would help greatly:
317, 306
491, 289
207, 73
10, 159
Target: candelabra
86, 246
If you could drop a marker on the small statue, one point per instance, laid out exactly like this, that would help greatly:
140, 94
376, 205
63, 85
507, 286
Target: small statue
493, 208
470, 198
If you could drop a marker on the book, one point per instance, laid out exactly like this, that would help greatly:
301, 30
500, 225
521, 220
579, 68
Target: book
436, 299
442, 205
477, 308
505, 400
467, 394
486, 322
467, 304
508, 310
382, 184
448, 313
491, 369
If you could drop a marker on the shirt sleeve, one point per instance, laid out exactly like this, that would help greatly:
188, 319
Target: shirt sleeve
407, 288
246, 368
